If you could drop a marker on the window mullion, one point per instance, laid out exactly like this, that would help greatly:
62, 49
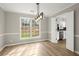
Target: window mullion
30, 28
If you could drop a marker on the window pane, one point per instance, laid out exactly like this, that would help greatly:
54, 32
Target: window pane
25, 28
35, 28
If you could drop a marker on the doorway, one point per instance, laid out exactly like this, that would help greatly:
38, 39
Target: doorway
67, 25
61, 32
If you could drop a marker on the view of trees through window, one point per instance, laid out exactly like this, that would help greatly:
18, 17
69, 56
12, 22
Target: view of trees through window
35, 28
29, 28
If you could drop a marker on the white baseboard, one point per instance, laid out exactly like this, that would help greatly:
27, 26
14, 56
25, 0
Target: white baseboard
77, 52
53, 41
26, 42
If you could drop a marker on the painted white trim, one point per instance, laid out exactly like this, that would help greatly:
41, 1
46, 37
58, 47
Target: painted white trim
26, 42
3, 34
53, 41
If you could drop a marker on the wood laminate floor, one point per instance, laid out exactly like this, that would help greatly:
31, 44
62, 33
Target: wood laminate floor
62, 43
45, 48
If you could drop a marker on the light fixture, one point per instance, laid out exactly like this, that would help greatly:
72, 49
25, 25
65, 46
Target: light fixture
39, 16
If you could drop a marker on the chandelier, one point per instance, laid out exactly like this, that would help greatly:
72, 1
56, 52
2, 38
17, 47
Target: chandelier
39, 16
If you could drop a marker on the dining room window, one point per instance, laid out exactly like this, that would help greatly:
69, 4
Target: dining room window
29, 28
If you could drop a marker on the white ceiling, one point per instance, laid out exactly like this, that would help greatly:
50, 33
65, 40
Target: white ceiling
30, 8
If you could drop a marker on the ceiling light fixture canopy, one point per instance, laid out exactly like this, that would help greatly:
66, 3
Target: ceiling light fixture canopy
39, 16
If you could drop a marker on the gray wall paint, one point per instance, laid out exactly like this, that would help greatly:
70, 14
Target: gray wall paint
13, 26
49, 28
2, 26
75, 8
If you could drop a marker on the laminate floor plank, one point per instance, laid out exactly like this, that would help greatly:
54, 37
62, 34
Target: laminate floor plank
45, 48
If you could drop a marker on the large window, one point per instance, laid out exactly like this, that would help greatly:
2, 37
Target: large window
29, 28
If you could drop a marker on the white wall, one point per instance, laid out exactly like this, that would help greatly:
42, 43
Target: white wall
53, 30
2, 28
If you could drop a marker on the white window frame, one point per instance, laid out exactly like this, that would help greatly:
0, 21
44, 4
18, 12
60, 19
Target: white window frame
31, 37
